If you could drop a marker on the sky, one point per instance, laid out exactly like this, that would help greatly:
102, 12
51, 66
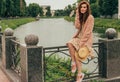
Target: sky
55, 4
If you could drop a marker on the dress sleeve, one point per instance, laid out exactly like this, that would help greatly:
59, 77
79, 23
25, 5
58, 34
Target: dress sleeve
77, 22
88, 30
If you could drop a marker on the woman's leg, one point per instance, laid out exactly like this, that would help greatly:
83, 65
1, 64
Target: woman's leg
80, 75
72, 54
79, 66
71, 51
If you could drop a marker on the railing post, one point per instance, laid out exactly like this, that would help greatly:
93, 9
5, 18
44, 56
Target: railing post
109, 55
31, 60
6, 48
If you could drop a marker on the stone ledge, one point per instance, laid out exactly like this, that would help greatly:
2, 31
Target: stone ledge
11, 75
115, 79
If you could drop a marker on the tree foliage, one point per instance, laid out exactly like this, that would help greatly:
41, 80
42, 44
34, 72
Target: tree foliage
108, 7
23, 8
59, 12
9, 8
13, 8
92, 1
41, 11
16, 8
68, 10
48, 13
95, 10
33, 9
2, 7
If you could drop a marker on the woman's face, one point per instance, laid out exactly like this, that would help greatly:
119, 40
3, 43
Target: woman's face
83, 8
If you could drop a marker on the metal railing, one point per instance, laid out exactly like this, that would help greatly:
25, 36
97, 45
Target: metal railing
15, 50
57, 62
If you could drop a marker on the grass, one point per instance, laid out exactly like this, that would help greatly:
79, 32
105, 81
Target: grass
14, 23
57, 67
101, 24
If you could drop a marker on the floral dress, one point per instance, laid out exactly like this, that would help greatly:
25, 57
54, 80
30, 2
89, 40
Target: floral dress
85, 36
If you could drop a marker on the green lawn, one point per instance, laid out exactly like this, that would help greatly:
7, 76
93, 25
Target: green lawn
14, 23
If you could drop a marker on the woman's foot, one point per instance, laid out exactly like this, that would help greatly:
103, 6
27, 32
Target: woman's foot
80, 77
73, 67
92, 57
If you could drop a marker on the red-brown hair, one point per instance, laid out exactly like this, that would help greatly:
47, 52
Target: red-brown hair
83, 17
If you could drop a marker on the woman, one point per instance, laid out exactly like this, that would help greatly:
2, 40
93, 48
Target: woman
84, 23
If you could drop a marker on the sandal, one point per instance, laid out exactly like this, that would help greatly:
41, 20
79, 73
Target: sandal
73, 67
80, 77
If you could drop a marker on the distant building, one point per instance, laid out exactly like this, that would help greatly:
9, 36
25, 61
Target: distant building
72, 13
52, 13
44, 9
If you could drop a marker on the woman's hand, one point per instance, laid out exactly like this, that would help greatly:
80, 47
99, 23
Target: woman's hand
76, 34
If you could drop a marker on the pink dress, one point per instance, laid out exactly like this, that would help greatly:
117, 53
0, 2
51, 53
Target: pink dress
85, 37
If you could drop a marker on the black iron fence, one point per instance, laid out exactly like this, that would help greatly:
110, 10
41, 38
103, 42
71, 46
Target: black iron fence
15, 50
57, 63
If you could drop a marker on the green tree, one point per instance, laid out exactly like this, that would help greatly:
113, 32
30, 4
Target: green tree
23, 8
59, 13
9, 8
2, 8
79, 1
41, 11
101, 8
68, 10
92, 1
48, 13
95, 10
108, 7
33, 9
16, 8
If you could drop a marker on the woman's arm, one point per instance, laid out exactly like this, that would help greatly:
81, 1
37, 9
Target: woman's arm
88, 30
76, 34
77, 22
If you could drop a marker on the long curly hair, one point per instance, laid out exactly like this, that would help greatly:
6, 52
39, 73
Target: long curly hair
83, 17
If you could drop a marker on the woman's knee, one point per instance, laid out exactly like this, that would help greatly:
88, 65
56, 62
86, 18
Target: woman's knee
69, 45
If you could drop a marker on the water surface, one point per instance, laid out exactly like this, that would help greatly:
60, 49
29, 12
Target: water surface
51, 32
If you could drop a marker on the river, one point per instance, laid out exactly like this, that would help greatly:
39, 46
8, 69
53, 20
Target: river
51, 32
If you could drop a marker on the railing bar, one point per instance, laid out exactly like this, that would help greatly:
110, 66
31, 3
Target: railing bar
94, 44
56, 51
55, 47
17, 42
47, 51
65, 54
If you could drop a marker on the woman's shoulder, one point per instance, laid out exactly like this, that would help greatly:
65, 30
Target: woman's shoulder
90, 17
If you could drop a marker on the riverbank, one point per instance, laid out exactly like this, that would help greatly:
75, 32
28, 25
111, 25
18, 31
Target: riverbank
101, 23
14, 23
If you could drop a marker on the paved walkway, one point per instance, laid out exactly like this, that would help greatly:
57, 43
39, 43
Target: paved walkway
3, 77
